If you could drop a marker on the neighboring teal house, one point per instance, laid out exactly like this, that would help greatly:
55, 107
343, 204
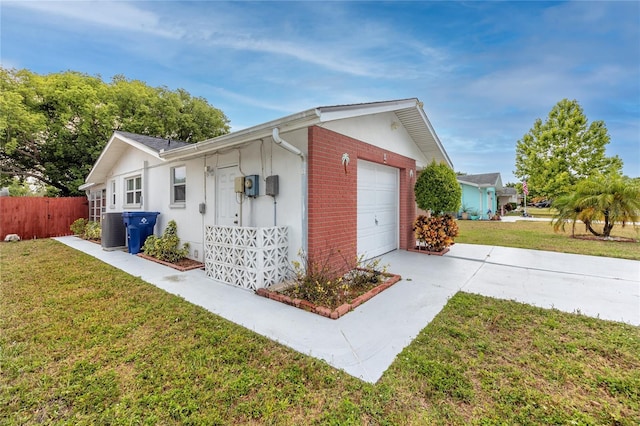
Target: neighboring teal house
482, 194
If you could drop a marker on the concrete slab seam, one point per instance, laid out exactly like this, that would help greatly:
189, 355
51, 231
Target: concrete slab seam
355, 354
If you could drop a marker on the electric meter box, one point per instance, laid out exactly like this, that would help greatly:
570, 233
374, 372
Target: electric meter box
251, 187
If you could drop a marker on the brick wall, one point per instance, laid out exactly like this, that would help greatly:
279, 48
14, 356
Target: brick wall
332, 209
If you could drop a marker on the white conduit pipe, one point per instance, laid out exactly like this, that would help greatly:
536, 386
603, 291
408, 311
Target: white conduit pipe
286, 145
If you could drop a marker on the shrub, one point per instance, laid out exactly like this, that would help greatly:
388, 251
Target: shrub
435, 233
78, 225
88, 230
93, 231
437, 189
166, 248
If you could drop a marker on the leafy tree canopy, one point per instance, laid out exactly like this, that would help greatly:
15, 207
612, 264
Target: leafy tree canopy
553, 156
53, 127
437, 189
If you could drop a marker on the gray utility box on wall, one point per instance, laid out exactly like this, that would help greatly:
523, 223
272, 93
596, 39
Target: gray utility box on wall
272, 185
114, 233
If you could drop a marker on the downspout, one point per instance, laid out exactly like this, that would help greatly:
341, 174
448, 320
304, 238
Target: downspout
286, 145
145, 185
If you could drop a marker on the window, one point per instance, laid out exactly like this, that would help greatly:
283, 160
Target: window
113, 194
97, 202
133, 191
178, 185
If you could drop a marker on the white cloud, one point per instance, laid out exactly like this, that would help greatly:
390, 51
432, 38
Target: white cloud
115, 15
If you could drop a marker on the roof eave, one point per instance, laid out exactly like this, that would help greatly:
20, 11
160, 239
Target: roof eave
244, 136
97, 179
339, 112
434, 135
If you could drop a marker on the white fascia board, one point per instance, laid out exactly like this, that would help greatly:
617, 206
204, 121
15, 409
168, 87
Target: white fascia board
115, 139
100, 159
468, 183
86, 186
340, 112
244, 136
138, 145
477, 185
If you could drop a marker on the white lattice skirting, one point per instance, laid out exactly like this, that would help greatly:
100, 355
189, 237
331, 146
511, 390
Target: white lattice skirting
247, 257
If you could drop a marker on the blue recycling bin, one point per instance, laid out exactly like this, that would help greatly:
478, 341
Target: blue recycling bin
139, 227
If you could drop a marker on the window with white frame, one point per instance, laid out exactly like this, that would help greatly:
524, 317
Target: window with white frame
133, 191
178, 185
97, 203
113, 194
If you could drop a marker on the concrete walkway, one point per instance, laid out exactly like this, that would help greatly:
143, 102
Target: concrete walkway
365, 342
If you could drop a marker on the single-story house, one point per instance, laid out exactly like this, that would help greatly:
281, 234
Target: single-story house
509, 195
484, 195
329, 181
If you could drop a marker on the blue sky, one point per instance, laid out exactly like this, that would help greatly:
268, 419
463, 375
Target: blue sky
484, 70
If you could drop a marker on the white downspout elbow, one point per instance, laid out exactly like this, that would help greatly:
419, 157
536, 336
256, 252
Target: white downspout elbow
292, 149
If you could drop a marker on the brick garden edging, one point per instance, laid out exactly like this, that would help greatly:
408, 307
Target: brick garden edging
324, 311
435, 253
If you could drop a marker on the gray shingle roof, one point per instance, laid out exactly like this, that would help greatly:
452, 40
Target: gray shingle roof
482, 179
154, 143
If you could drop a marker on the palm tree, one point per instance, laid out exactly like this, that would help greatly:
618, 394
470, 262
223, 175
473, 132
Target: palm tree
608, 198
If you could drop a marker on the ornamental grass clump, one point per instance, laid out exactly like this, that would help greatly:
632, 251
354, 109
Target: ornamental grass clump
166, 248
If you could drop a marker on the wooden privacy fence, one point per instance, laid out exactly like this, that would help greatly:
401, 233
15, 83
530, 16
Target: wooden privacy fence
40, 217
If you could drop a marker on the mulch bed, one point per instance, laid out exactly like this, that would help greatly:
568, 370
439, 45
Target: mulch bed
182, 265
327, 312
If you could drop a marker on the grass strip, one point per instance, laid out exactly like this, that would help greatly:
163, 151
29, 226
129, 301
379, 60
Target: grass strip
540, 236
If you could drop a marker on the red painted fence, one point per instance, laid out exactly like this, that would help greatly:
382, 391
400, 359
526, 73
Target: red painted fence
40, 217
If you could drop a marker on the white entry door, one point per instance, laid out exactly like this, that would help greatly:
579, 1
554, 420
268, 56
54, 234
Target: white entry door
227, 207
377, 209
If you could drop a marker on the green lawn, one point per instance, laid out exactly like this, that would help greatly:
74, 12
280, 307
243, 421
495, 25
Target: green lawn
84, 343
541, 236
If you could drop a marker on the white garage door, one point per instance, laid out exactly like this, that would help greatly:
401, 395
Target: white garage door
377, 209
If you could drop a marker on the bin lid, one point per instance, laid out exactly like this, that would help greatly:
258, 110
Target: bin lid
138, 214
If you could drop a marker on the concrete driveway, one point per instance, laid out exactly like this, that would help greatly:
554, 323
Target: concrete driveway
365, 342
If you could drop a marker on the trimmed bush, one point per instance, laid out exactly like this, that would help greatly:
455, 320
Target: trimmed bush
86, 229
78, 225
166, 248
437, 189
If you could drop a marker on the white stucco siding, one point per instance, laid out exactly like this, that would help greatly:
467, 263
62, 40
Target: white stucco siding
187, 216
265, 159
156, 189
201, 188
382, 130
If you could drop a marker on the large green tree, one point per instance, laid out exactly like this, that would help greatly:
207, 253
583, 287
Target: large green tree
554, 155
53, 127
601, 200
